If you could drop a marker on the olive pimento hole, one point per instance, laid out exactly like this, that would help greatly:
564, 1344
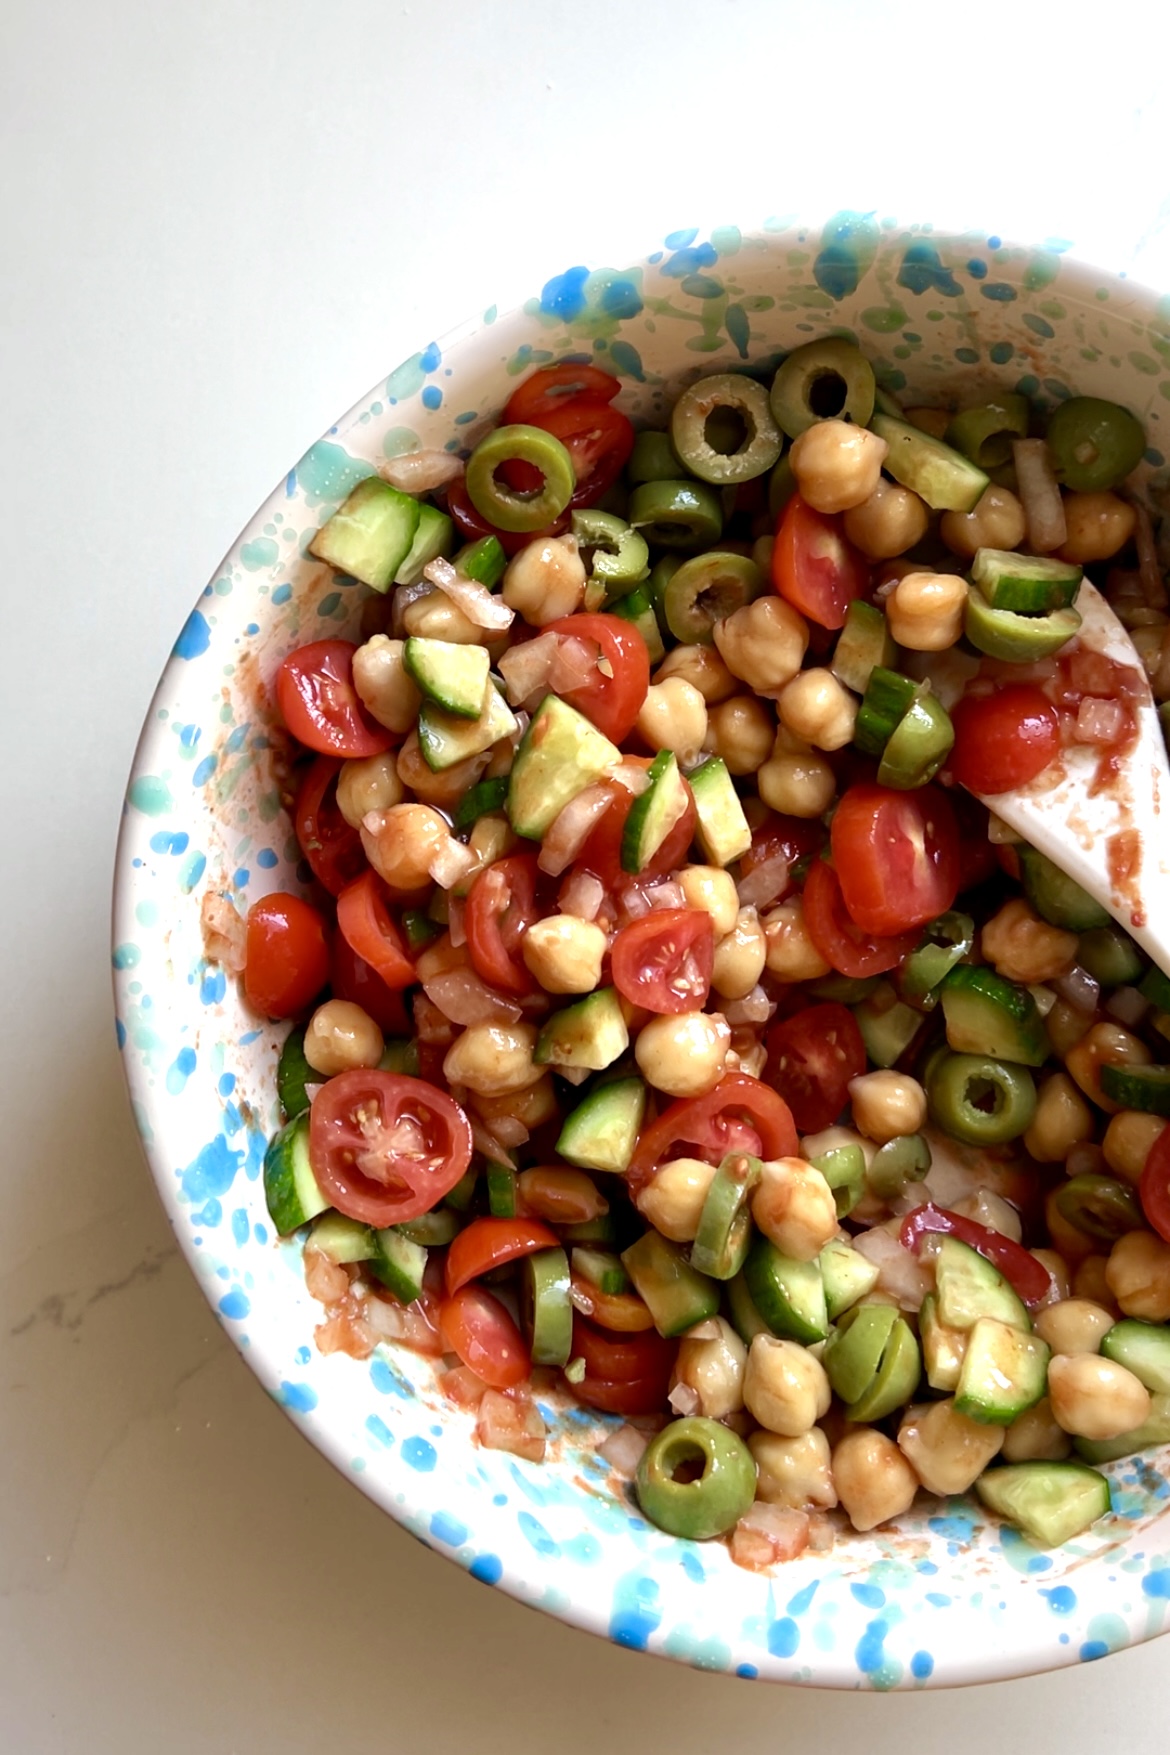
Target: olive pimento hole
827, 395
726, 430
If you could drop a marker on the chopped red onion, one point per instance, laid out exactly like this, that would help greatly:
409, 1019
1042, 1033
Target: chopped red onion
311, 1091
510, 1131
574, 663
1127, 1005
412, 1324
900, 1273
622, 1450
765, 882
224, 932
418, 472
767, 1535
1085, 1159
475, 600
632, 775
404, 596
488, 1142
1078, 989
461, 996
755, 1008
1040, 495
450, 861
582, 896
570, 830
1099, 722
684, 1400
455, 922
707, 1330
525, 668
666, 895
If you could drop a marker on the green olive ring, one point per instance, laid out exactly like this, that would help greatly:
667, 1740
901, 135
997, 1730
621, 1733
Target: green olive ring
823, 380
694, 424
499, 504
696, 1478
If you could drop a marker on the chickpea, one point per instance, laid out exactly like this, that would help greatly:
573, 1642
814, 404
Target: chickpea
1058, 1270
683, 1053
792, 955
794, 781
712, 890
837, 464
1035, 1436
1138, 1276
887, 1104
816, 707
1062, 1120
1127, 1142
995, 521
784, 1387
874, 1480
561, 1197
714, 1369
763, 643
947, 1451
703, 668
1090, 1282
934, 421
673, 1201
892, 520
341, 1036
401, 843
673, 716
1024, 948
436, 617
545, 580
533, 1106
493, 1059
1104, 1045
368, 783
1096, 526
564, 954
795, 1472
741, 732
925, 611
444, 788
1074, 1325
491, 838
793, 1206
380, 678
1094, 1398
739, 958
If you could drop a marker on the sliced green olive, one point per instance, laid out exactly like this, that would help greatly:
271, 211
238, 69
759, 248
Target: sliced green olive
1018, 639
895, 1165
945, 942
981, 1101
546, 1306
843, 1168
723, 430
653, 458
1099, 1206
823, 380
896, 1379
500, 504
1094, 444
677, 514
705, 590
725, 1224
619, 556
985, 434
781, 487
696, 1479
854, 1349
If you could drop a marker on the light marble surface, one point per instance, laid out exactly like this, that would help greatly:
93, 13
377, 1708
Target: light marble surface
220, 224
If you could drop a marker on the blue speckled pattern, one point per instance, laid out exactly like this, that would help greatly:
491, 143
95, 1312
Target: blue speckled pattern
945, 1598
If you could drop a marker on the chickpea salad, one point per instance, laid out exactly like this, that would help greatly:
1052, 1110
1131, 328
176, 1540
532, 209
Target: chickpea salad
672, 1025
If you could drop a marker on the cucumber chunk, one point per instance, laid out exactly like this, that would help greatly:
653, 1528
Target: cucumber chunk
942, 1347
480, 800
435, 536
1138, 1087
637, 608
371, 534
723, 830
1051, 1502
654, 813
789, 1295
847, 1276
676, 1294
560, 754
500, 1180
290, 1188
446, 739
591, 1034
454, 677
601, 1133
887, 1024
1028, 584
864, 645
399, 1264
745, 1319
343, 1240
987, 1015
1057, 897
1155, 1430
601, 1268
941, 476
434, 1230
970, 1287
1144, 1349
546, 1309
293, 1073
1003, 1374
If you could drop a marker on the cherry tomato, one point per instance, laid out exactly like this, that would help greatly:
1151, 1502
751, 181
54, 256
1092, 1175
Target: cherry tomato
739, 1115
896, 855
384, 1147
599, 440
841, 942
811, 1058
551, 387
365, 923
639, 1395
611, 702
620, 1358
602, 852
332, 846
478, 1328
501, 906
350, 977
623, 1311
320, 705
473, 526
781, 840
1030, 1277
1003, 740
489, 1243
663, 961
1154, 1186
287, 951
978, 859
814, 568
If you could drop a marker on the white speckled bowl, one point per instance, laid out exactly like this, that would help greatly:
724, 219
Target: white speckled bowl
945, 1598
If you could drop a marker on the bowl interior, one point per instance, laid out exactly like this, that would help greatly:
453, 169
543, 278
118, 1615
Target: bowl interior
943, 1598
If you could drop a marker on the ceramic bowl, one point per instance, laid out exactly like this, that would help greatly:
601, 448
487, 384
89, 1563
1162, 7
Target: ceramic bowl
945, 1597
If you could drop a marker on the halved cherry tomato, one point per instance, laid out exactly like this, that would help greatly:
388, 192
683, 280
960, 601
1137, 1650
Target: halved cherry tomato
501, 906
618, 1359
602, 852
365, 922
640, 1395
811, 1058
1005, 739
814, 568
473, 526
1030, 1277
612, 701
897, 856
384, 1147
489, 1243
287, 951
978, 859
350, 977
837, 936
781, 841
478, 1328
739, 1115
663, 961
1154, 1185
598, 439
320, 705
550, 387
332, 846
622, 1311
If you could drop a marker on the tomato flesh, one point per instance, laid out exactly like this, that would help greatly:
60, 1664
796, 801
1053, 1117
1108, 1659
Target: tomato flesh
602, 851
1154, 1185
332, 846
287, 955
320, 705
838, 938
550, 387
477, 1328
384, 1147
812, 1056
896, 856
489, 1243
501, 906
612, 702
364, 919
351, 977
814, 568
663, 961
1004, 740
740, 1115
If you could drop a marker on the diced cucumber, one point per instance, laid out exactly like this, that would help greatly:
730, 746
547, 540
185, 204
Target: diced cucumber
445, 739
461, 1196
602, 1131
1110, 956
399, 1264
1029, 584
1003, 1374
744, 1317
546, 1308
343, 1240
501, 1190
723, 830
371, 534
1017, 639
676, 1294
789, 1295
887, 1024
603, 1229
897, 1376
560, 754
434, 1230
1138, 1087
590, 1034
1155, 1430
897, 1163
290, 1188
942, 1347
847, 1276
293, 1073
941, 476
986, 1014
1155, 987
654, 813
454, 677
1144, 1349
601, 1268
1057, 897
400, 1055
888, 698
434, 537
1051, 1502
864, 643
483, 560
480, 800
725, 1223
971, 1287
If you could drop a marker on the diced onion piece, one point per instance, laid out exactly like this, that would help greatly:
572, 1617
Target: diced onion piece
1149, 572
766, 1535
224, 932
1099, 722
488, 1141
666, 895
455, 922
525, 668
462, 1386
1078, 989
1040, 495
312, 1089
1085, 1159
574, 663
1044, 997
415, 1325
404, 596
582, 895
707, 1330
765, 883
900, 1273
622, 1450
634, 776
684, 1400
1001, 834
512, 1424
451, 861
756, 1008
570, 830
418, 472
510, 1130
474, 599
346, 1332
461, 996
325, 1280
1128, 1006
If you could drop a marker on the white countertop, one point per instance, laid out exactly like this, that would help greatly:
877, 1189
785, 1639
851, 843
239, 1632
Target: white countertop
221, 223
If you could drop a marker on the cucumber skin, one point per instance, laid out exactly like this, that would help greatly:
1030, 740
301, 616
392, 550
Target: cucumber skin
291, 1201
578, 1141
1003, 1489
